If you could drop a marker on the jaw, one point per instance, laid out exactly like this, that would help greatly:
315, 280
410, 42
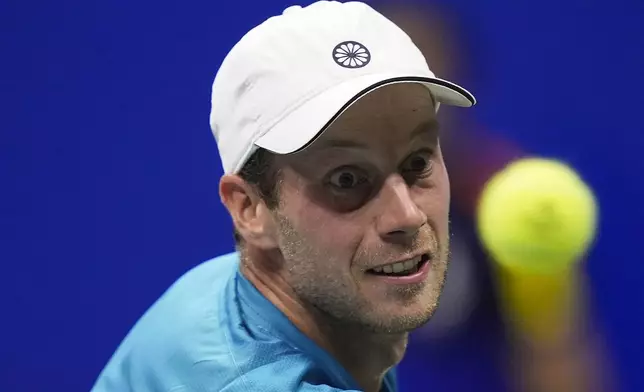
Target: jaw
398, 312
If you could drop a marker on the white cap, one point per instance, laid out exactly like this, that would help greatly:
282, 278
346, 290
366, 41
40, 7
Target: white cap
290, 77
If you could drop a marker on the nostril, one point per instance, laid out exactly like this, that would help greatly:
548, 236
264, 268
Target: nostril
404, 235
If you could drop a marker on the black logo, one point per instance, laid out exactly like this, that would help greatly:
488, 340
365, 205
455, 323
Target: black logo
351, 54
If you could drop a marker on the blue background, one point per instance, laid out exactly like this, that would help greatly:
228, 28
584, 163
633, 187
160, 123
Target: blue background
109, 172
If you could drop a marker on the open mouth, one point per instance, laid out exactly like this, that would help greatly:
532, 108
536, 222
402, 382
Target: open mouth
406, 268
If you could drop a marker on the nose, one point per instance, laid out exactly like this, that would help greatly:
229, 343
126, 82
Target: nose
401, 218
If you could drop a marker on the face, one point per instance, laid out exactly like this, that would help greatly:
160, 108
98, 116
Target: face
371, 192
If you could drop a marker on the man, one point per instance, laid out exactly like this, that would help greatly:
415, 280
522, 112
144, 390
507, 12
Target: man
325, 120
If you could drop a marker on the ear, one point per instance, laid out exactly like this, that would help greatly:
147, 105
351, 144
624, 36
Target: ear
249, 213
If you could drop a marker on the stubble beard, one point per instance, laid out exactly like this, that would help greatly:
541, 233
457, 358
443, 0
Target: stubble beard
339, 303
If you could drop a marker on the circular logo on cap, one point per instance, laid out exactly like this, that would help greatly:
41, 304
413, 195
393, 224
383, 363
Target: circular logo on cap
351, 54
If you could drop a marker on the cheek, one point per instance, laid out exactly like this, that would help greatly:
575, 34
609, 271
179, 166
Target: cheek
445, 183
444, 192
435, 201
323, 230
442, 208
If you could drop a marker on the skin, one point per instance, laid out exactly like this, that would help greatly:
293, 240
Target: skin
371, 190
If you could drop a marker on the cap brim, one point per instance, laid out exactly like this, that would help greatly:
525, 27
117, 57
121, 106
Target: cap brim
304, 124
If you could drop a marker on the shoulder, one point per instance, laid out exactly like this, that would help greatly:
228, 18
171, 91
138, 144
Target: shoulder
196, 337
185, 326
292, 372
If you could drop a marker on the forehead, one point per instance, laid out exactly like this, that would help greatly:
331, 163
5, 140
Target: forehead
387, 114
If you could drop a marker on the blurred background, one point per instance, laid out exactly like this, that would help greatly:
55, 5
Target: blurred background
109, 175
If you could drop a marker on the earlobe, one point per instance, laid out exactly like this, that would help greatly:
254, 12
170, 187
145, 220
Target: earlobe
247, 210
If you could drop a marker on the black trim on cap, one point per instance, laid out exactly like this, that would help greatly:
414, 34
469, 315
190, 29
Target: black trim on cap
374, 86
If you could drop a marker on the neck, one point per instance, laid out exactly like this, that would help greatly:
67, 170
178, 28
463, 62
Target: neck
366, 356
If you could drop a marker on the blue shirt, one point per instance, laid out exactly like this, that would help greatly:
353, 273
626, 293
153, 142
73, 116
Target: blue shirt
214, 331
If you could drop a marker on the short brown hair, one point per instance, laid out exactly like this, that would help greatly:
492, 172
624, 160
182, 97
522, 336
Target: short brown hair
260, 173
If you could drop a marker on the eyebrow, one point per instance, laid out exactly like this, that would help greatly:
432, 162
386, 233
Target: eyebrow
428, 126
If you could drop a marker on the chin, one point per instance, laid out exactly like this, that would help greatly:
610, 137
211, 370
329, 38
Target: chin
397, 325
400, 321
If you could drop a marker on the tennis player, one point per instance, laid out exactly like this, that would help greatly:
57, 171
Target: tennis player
325, 120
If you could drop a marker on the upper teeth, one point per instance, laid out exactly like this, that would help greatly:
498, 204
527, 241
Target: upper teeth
399, 267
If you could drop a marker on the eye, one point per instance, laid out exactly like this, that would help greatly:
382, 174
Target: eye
348, 188
418, 164
347, 178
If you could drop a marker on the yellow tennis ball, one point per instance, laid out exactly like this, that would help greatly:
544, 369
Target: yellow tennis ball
537, 215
